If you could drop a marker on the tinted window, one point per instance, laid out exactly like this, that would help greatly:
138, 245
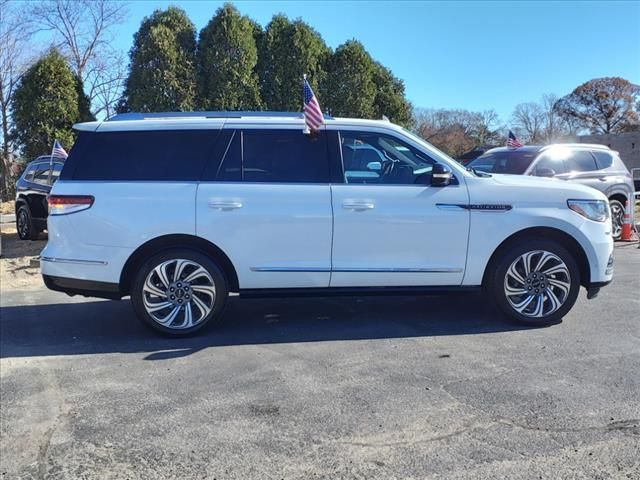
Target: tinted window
277, 156
28, 176
177, 155
287, 156
506, 161
550, 162
580, 161
603, 159
41, 174
57, 168
376, 158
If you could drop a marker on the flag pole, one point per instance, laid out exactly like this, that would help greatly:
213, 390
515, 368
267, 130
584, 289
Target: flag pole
305, 130
53, 148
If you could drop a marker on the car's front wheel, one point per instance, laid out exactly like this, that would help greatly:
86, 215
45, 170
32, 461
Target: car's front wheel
178, 292
535, 282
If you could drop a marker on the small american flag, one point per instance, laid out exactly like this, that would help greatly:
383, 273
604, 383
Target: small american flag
512, 141
58, 151
313, 117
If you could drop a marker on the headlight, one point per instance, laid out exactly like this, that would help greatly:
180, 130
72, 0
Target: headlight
597, 210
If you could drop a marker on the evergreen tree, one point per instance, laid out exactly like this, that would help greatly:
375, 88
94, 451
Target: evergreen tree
162, 73
45, 105
227, 57
390, 100
351, 89
287, 51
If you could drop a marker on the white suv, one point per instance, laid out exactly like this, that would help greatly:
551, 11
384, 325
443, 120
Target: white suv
179, 210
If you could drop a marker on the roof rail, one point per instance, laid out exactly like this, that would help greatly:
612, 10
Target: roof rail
598, 146
177, 115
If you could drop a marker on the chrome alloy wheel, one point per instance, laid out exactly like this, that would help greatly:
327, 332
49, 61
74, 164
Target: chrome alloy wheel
537, 283
617, 218
179, 293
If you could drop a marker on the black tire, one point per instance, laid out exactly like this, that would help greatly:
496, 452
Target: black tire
175, 328
617, 218
497, 281
25, 225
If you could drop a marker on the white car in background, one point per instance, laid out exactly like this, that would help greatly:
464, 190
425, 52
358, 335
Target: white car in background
177, 210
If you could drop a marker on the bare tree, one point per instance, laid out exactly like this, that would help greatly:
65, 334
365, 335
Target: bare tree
82, 31
529, 118
454, 131
14, 38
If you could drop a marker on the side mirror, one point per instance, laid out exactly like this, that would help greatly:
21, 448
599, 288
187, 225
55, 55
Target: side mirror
545, 172
374, 166
440, 175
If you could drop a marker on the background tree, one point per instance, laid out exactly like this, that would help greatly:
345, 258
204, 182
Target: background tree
450, 130
226, 58
351, 89
390, 99
46, 103
14, 58
287, 51
528, 119
82, 31
603, 105
162, 73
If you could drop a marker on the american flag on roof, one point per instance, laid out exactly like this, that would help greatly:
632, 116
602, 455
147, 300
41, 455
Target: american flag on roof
313, 117
58, 151
512, 141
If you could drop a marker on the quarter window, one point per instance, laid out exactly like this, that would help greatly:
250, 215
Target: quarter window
382, 159
603, 160
175, 155
580, 161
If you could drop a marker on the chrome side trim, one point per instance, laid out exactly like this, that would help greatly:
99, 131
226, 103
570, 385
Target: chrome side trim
73, 260
356, 270
290, 269
397, 270
482, 208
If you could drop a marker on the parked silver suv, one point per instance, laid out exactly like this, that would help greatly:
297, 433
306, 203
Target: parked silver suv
593, 165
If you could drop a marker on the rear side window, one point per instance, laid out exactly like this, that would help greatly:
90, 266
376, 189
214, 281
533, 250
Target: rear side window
580, 161
603, 159
175, 155
275, 156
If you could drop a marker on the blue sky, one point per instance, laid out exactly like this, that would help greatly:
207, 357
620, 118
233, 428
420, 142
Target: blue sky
473, 55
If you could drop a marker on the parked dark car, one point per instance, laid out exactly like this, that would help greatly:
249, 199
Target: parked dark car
32, 190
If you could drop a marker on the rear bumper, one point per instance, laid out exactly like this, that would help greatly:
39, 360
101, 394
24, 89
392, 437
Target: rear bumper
86, 288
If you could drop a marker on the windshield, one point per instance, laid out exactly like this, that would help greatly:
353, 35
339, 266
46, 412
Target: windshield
513, 162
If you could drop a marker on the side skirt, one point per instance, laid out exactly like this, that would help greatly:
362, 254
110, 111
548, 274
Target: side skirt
355, 291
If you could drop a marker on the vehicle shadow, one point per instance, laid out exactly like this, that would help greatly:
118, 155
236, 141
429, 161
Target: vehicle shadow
111, 326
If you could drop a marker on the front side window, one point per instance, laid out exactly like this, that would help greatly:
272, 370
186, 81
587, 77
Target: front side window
514, 162
28, 176
275, 156
55, 174
375, 158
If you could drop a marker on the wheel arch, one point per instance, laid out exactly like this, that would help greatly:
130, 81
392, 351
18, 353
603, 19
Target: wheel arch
547, 233
166, 242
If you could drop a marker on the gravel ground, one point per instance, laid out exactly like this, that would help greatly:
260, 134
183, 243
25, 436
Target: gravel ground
340, 388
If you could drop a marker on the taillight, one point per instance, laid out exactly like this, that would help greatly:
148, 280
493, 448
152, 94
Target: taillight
64, 204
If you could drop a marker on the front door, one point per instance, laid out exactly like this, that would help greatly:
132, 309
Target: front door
391, 228
267, 205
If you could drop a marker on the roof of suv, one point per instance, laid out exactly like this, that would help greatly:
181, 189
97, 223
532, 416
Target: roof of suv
179, 120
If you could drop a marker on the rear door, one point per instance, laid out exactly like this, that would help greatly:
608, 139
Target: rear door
265, 200
391, 227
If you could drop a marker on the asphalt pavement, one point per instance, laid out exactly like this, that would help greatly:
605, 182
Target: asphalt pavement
335, 388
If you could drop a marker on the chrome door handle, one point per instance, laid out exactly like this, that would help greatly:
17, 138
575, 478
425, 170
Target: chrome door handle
358, 205
224, 205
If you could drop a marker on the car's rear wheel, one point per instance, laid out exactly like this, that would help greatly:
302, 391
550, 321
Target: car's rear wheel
535, 282
617, 218
178, 292
25, 225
